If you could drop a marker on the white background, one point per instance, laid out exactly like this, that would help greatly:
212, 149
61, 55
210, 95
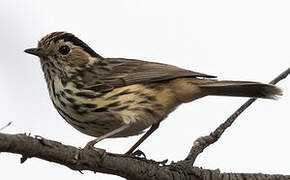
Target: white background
237, 40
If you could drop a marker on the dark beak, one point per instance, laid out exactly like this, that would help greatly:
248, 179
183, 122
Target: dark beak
36, 51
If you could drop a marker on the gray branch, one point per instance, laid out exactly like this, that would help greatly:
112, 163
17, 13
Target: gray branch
132, 168
203, 142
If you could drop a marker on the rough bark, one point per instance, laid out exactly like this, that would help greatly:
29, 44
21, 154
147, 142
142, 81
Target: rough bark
129, 167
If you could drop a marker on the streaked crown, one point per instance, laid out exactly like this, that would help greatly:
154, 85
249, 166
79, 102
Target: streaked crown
63, 53
57, 37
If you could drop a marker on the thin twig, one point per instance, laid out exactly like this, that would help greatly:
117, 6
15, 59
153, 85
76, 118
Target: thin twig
203, 142
8, 124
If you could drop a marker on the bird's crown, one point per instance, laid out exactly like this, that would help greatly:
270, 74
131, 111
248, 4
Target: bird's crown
61, 36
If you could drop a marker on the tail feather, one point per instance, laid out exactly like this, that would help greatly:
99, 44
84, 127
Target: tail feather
242, 89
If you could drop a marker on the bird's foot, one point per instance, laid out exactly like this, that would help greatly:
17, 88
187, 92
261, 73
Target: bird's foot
137, 153
183, 167
90, 146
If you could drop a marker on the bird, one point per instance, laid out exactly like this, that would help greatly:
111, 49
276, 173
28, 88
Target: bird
119, 97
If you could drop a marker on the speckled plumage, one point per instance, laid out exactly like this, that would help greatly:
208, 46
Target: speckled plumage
99, 95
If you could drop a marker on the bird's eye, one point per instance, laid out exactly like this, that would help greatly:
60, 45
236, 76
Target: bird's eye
64, 50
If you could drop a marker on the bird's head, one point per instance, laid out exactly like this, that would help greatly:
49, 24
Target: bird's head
62, 52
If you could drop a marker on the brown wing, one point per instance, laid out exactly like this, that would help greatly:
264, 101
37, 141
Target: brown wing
117, 72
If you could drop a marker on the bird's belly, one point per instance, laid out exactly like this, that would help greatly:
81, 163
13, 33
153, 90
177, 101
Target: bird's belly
136, 105
99, 123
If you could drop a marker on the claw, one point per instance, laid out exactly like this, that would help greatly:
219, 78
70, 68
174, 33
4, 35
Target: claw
138, 153
91, 147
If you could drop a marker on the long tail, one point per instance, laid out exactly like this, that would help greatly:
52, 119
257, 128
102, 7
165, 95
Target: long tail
242, 89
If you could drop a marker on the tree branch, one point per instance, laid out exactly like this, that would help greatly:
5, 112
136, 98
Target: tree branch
203, 142
125, 166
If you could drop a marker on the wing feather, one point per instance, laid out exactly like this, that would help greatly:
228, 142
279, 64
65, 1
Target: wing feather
119, 72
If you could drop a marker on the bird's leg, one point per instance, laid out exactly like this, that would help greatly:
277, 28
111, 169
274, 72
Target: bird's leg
145, 136
95, 141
